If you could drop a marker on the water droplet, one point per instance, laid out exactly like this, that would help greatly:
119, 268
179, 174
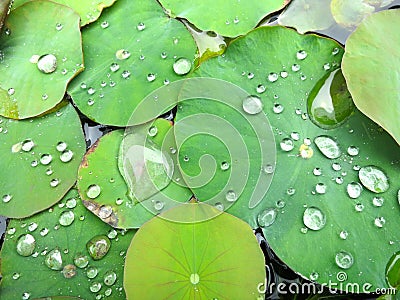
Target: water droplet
231, 196
66, 156
359, 207
295, 68
326, 66
91, 272
290, 191
303, 77
260, 89
151, 77
317, 171
272, 77
44, 231
152, 131
105, 211
354, 190
45, 159
141, 26
34, 59
306, 151
109, 278
119, 201
374, 179
320, 188
26, 296
344, 259
11, 231
98, 246
15, 276
252, 105
335, 51
122, 54
336, 166
7, 198
93, 191
11, 91
314, 218
90, 102
378, 201
277, 108
301, 54
34, 163
267, 217
66, 218
47, 63
95, 287
91, 91
61, 146
164, 55
343, 234
54, 182
284, 74
81, 260
108, 292
49, 171
26, 245
224, 166
328, 146
32, 226
314, 276
112, 234
220, 206
114, 67
54, 260
250, 75
125, 74
287, 144
379, 222
182, 66
352, 151
27, 145
59, 26
268, 169
104, 24
194, 278
339, 180
69, 271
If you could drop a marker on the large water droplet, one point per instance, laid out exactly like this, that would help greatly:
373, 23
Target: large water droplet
314, 218
27, 145
329, 103
252, 105
182, 66
69, 271
231, 196
47, 63
194, 278
267, 217
354, 190
54, 260
93, 191
344, 259
328, 146
26, 245
98, 246
66, 218
122, 54
287, 144
374, 179
109, 278
81, 260
66, 156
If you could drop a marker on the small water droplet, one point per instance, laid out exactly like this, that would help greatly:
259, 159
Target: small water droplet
354, 190
339, 180
95, 287
252, 105
290, 191
295, 67
303, 77
93, 191
352, 151
151, 77
61, 146
343, 234
301, 54
379, 222
335, 51
54, 260
220, 206
250, 75
105, 211
272, 77
98, 246
344, 259
66, 156
320, 188
374, 179
66, 218
122, 54
284, 74
141, 26
224, 166
81, 260
34, 163
164, 55
328, 146
317, 171
267, 217
49, 171
119, 201
15, 276
109, 278
32, 226
182, 66
34, 59
277, 108
27, 145
69, 271
92, 272
152, 131
47, 63
26, 296
44, 231
359, 207
104, 24
91, 91
326, 66
378, 201
112, 234
268, 169
108, 292
11, 91
287, 144
7, 198
260, 89
59, 26
54, 182
314, 276
26, 245
114, 67
231, 196
336, 166
45, 159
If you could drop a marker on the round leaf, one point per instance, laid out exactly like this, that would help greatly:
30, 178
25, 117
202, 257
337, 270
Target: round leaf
26, 46
127, 60
89, 11
228, 18
368, 66
39, 161
328, 180
32, 276
194, 260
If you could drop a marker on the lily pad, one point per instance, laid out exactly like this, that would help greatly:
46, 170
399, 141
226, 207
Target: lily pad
350, 13
314, 200
106, 193
45, 56
229, 19
127, 60
60, 263
194, 260
39, 161
89, 11
370, 65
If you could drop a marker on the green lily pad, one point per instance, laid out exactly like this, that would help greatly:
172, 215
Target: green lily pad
369, 66
39, 161
44, 55
350, 13
89, 11
127, 60
307, 15
334, 188
54, 259
194, 260
227, 19
105, 191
